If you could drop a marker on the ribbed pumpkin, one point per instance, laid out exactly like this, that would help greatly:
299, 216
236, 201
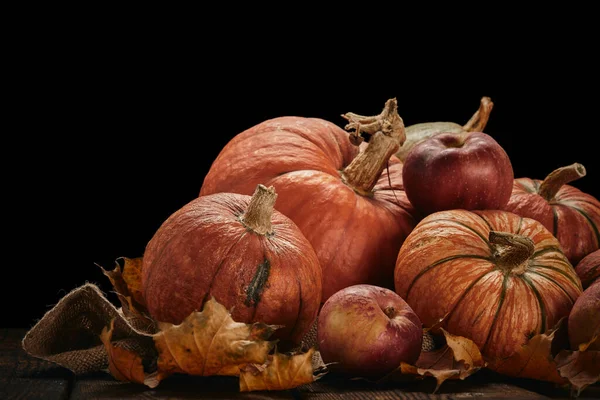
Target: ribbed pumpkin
239, 250
493, 276
354, 213
571, 215
588, 269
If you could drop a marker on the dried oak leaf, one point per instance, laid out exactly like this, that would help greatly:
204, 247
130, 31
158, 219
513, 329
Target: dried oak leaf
123, 364
281, 372
580, 368
210, 342
127, 283
457, 359
534, 360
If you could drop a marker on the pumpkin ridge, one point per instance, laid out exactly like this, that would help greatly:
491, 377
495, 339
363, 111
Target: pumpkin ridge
547, 250
298, 133
540, 301
225, 256
521, 184
549, 278
299, 307
173, 238
572, 202
461, 224
593, 270
439, 262
500, 304
591, 223
520, 226
487, 223
554, 221
339, 146
560, 271
464, 294
348, 221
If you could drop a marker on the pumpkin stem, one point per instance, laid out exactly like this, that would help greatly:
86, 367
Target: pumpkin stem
386, 132
260, 210
511, 251
559, 177
480, 119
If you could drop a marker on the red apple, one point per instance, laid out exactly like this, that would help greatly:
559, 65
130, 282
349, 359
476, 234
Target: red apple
584, 319
467, 170
368, 331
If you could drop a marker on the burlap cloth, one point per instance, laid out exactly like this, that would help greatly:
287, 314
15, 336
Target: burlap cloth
69, 334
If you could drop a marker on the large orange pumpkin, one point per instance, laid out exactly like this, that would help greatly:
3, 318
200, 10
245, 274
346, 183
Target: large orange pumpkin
492, 276
354, 213
571, 215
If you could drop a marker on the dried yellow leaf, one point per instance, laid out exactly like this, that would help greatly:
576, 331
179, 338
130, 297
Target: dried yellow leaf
123, 364
280, 372
210, 342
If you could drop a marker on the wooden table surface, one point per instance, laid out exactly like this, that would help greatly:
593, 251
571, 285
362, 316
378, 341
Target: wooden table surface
25, 377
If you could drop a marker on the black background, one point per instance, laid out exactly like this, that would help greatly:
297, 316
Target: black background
114, 134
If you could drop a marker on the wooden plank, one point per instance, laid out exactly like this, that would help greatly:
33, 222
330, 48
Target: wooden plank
103, 386
25, 377
333, 389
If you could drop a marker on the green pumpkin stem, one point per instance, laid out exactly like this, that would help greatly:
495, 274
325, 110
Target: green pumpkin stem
559, 177
481, 117
511, 251
387, 134
260, 210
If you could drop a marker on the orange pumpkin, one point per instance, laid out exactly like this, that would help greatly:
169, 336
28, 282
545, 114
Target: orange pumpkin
239, 250
491, 275
570, 214
588, 269
354, 213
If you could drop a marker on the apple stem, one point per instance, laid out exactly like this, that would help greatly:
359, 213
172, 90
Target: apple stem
390, 311
260, 210
387, 135
559, 177
480, 119
511, 251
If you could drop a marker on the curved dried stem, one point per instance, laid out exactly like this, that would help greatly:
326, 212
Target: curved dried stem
480, 119
559, 177
388, 122
387, 134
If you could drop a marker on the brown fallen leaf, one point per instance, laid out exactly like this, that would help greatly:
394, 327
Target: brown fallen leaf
534, 360
281, 372
127, 282
457, 359
132, 275
580, 368
123, 364
210, 342
593, 340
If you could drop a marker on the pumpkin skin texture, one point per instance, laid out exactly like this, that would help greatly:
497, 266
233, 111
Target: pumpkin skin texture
304, 159
497, 295
588, 269
584, 320
206, 249
571, 215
